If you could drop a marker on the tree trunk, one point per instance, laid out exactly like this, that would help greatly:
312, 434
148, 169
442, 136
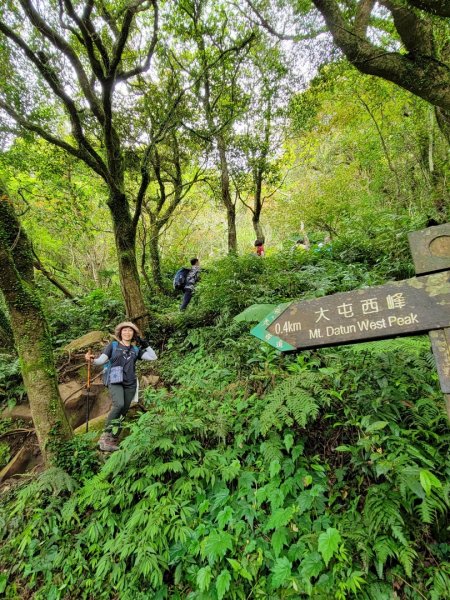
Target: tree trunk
30, 332
226, 196
5, 330
125, 237
231, 221
443, 120
258, 228
257, 206
155, 260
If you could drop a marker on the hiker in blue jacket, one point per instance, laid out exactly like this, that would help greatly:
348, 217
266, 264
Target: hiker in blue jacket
121, 375
191, 280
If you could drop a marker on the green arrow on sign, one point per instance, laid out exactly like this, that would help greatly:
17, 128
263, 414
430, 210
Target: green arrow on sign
260, 330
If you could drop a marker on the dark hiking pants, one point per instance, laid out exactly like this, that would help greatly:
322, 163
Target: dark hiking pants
186, 298
121, 399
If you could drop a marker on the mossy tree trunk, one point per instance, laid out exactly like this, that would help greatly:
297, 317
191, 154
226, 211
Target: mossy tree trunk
258, 173
31, 335
5, 329
155, 259
226, 195
125, 237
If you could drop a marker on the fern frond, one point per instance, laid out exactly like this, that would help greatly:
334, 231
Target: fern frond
406, 556
54, 480
382, 510
431, 506
303, 407
384, 548
440, 582
296, 399
271, 449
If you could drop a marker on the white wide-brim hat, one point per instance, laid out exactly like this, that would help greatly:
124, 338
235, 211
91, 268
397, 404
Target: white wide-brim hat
120, 326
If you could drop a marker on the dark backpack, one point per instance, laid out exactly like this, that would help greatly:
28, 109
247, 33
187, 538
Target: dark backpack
179, 281
107, 366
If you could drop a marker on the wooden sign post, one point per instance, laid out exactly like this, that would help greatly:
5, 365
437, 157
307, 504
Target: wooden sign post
409, 307
430, 249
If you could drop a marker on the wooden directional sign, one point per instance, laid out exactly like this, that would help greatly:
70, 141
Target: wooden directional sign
430, 249
408, 307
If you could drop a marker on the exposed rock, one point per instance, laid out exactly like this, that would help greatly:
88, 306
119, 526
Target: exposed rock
149, 380
90, 339
76, 398
17, 464
102, 404
71, 389
21, 412
95, 424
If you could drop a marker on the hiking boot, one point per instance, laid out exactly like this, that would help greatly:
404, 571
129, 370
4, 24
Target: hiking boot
107, 442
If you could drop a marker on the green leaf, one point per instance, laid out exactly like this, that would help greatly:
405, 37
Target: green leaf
279, 518
428, 480
220, 498
255, 313
276, 498
235, 564
328, 543
216, 545
238, 568
343, 448
223, 583
281, 572
274, 468
231, 470
204, 578
288, 441
203, 507
245, 574
311, 565
225, 515
307, 480
279, 539
376, 426
3, 582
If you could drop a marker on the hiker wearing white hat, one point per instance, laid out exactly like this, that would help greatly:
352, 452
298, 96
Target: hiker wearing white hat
120, 375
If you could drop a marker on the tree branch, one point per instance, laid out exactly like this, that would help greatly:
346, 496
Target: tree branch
144, 67
51, 77
60, 44
415, 32
422, 75
145, 181
79, 153
363, 12
156, 163
441, 8
119, 46
90, 37
263, 22
40, 267
107, 17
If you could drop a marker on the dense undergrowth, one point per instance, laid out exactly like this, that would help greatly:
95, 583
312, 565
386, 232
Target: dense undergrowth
253, 474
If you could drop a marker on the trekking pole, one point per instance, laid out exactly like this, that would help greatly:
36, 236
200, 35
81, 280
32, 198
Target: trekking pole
88, 389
